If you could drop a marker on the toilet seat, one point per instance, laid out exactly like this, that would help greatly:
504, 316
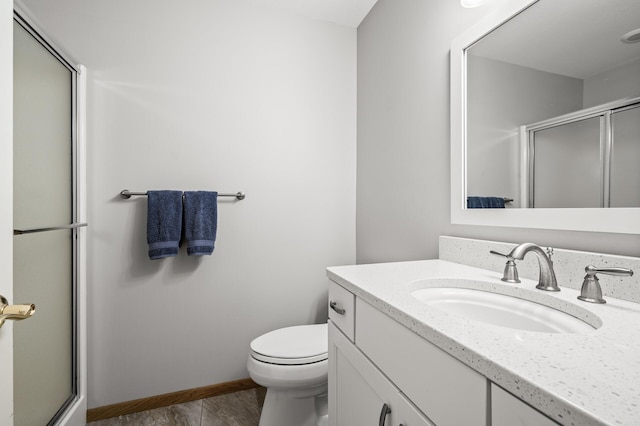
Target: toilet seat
292, 363
297, 345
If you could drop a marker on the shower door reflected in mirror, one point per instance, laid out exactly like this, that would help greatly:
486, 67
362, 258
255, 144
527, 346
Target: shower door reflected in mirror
587, 159
566, 166
625, 158
44, 266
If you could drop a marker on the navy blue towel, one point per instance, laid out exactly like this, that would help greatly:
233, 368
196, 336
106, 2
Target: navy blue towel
485, 203
200, 221
164, 223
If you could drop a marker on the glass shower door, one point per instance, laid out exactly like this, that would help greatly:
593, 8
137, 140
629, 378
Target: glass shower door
566, 170
44, 364
589, 159
625, 158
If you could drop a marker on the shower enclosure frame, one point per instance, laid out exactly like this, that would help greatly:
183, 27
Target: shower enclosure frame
527, 145
74, 410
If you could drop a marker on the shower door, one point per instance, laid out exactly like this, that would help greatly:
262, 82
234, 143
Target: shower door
625, 157
46, 230
584, 159
566, 170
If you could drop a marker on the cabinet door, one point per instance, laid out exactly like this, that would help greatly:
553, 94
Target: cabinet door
409, 415
507, 410
437, 383
357, 390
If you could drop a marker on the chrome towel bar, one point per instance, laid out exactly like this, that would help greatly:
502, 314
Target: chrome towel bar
126, 194
51, 228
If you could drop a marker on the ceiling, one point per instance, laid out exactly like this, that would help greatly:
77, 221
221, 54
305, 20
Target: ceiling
343, 12
576, 38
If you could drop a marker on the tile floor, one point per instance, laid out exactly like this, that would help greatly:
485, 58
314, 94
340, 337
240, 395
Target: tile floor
234, 409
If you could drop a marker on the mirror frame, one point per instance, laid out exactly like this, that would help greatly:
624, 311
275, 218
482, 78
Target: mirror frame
614, 220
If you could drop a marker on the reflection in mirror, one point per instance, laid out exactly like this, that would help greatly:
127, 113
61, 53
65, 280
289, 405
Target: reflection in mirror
565, 169
553, 107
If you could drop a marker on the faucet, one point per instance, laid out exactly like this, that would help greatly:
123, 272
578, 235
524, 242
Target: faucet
547, 280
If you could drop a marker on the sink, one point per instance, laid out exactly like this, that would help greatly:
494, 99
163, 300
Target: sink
501, 310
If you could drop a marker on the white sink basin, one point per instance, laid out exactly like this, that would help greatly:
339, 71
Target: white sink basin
501, 310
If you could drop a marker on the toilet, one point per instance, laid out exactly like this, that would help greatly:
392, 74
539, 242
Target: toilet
292, 363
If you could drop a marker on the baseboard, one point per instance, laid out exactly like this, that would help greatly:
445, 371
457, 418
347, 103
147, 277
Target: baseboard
159, 401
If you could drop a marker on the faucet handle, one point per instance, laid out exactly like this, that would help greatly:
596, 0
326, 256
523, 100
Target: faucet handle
624, 272
591, 291
510, 274
500, 254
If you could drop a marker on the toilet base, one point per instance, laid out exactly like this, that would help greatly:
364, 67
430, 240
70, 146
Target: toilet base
282, 408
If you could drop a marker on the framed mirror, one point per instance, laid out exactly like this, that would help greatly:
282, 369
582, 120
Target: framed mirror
545, 113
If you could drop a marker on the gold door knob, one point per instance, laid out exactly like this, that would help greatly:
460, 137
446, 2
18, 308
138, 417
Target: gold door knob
14, 312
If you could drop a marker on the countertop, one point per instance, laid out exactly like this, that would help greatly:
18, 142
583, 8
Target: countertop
576, 379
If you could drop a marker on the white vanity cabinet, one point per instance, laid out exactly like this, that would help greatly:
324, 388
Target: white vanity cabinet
359, 394
445, 389
376, 361
389, 364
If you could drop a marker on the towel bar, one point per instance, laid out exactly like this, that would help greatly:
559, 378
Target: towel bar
51, 228
126, 194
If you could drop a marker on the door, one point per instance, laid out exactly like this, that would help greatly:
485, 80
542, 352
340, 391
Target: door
625, 157
6, 207
359, 393
566, 170
45, 354
43, 256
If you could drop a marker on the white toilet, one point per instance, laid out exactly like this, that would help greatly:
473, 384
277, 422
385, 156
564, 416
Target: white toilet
292, 363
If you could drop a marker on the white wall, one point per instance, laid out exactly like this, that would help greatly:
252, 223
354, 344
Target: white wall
216, 95
403, 138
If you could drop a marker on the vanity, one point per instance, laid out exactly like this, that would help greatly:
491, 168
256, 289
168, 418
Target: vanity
397, 359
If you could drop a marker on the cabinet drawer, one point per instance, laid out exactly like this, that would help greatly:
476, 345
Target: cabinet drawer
446, 390
507, 410
342, 309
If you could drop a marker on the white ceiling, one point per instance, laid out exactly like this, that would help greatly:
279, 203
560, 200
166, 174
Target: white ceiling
576, 38
343, 12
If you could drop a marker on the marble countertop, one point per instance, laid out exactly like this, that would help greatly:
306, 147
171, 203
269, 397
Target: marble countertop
576, 379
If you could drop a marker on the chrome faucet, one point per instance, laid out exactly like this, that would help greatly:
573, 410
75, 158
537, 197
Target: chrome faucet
547, 280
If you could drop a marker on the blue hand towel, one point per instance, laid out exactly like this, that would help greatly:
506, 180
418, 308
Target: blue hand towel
485, 203
200, 221
164, 223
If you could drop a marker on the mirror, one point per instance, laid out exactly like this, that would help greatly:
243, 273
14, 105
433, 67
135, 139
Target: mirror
545, 102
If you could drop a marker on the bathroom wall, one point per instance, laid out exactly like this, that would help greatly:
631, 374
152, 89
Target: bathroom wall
403, 176
215, 95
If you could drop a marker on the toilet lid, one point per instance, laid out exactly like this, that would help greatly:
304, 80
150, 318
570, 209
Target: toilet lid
301, 344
